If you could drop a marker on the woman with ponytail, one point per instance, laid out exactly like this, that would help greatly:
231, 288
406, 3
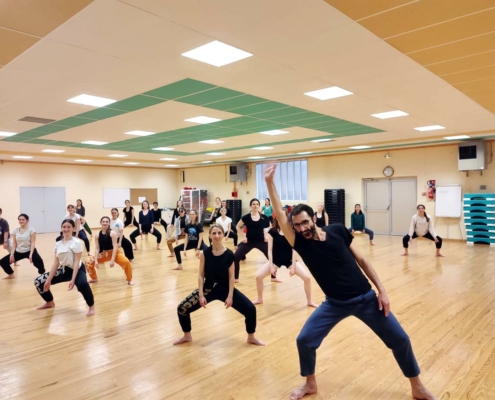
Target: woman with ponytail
421, 226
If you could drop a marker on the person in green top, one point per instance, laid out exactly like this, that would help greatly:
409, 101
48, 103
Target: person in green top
267, 210
358, 223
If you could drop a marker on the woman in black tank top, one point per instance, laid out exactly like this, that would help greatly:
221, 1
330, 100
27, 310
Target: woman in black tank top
321, 217
281, 253
216, 282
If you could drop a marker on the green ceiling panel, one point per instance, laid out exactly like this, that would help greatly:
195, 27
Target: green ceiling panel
236, 102
178, 89
234, 121
72, 122
210, 96
306, 117
135, 103
62, 143
281, 112
39, 141
16, 138
198, 128
101, 113
259, 108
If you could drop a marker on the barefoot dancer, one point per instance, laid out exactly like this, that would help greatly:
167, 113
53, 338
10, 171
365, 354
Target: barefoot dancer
108, 250
281, 253
421, 226
146, 226
117, 226
334, 261
180, 224
67, 267
192, 240
216, 282
5, 239
226, 223
358, 223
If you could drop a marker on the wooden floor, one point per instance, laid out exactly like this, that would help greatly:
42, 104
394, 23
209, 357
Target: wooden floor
446, 305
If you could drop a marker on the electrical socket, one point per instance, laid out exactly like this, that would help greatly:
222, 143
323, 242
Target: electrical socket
482, 187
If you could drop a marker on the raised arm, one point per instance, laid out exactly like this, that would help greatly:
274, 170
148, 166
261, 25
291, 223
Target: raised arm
282, 219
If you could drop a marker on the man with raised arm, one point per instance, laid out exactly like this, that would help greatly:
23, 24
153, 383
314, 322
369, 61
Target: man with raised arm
335, 263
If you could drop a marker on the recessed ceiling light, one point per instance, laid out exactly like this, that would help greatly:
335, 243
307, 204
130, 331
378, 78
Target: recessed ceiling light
274, 132
22, 157
305, 152
168, 159
211, 141
429, 128
118, 155
131, 163
52, 151
263, 148
256, 157
457, 137
89, 100
139, 133
83, 160
206, 162
216, 154
360, 147
202, 120
321, 140
162, 148
390, 114
94, 142
171, 165
217, 53
328, 93
2, 133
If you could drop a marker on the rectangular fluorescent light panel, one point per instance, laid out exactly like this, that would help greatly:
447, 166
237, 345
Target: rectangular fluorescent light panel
202, 120
256, 157
274, 132
263, 148
94, 142
390, 114
22, 157
89, 100
321, 140
457, 137
171, 165
118, 155
216, 154
162, 148
429, 128
52, 151
211, 141
328, 93
2, 133
217, 54
305, 152
168, 159
206, 162
360, 147
139, 133
131, 163
83, 160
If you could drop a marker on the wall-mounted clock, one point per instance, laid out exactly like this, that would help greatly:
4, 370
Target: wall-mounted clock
388, 171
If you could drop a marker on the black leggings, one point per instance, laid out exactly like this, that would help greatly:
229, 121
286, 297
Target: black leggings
64, 274
81, 235
190, 245
220, 292
146, 229
37, 261
127, 247
405, 240
245, 248
128, 223
232, 235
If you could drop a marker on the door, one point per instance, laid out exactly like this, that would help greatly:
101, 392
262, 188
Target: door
32, 204
54, 208
403, 205
377, 205
45, 207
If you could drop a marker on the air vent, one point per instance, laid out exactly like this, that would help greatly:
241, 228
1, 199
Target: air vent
37, 120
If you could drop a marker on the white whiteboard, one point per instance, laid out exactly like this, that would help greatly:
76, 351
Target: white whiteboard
114, 197
448, 201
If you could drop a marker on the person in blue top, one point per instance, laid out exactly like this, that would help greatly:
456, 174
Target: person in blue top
358, 223
146, 226
267, 210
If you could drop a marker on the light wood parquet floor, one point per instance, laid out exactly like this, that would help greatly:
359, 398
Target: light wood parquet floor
125, 351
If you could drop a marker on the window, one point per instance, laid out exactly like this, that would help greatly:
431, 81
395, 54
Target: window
291, 180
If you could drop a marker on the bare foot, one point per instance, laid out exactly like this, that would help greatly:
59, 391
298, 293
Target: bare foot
302, 391
404, 254
158, 248
11, 276
89, 254
16, 264
371, 243
179, 267
48, 304
131, 283
235, 280
440, 255
170, 255
252, 340
135, 248
258, 301
184, 339
91, 311
276, 280
312, 304
93, 281
420, 392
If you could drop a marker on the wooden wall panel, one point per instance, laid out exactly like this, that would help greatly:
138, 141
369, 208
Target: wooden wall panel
463, 63
357, 9
13, 44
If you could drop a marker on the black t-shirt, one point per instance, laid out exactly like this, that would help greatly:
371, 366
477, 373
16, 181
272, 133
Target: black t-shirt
182, 222
217, 267
255, 229
4, 227
281, 250
157, 214
193, 231
81, 211
332, 264
128, 214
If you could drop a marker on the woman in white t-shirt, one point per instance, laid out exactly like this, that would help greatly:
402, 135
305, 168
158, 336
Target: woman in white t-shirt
23, 246
67, 267
226, 223
78, 226
117, 226
421, 226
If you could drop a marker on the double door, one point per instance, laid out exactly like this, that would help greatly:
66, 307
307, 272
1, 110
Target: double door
389, 205
45, 206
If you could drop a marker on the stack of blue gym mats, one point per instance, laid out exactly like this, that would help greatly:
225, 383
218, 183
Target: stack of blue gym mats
479, 217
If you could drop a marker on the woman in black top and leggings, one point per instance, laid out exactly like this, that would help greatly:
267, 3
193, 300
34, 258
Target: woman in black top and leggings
216, 282
82, 212
129, 217
321, 217
146, 226
193, 239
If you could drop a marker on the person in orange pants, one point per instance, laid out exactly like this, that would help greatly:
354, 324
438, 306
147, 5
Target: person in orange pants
107, 250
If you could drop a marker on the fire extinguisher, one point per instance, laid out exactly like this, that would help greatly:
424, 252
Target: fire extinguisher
431, 189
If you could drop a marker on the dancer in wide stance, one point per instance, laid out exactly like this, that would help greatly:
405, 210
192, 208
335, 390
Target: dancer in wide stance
216, 282
421, 226
193, 239
335, 263
67, 267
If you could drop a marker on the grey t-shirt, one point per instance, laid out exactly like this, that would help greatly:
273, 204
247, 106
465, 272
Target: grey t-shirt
4, 227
